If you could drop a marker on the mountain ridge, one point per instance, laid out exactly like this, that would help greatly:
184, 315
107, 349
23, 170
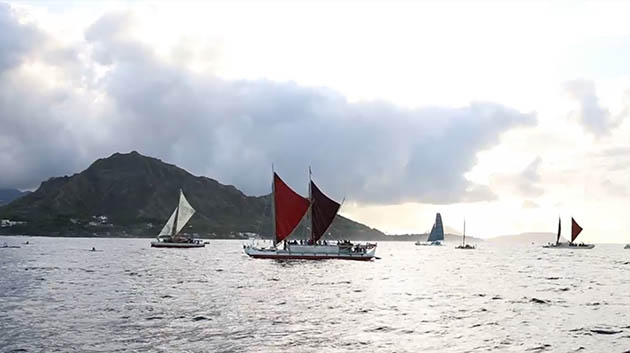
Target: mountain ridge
8, 195
136, 194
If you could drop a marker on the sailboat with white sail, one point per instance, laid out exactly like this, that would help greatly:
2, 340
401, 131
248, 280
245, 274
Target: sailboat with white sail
436, 237
575, 231
288, 209
465, 246
170, 236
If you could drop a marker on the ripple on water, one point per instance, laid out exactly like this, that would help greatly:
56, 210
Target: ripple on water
540, 348
222, 301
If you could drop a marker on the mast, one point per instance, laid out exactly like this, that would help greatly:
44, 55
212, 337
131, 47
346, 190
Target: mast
273, 206
310, 208
464, 237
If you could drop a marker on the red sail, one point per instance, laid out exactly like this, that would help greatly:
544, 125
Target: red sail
323, 211
575, 229
290, 207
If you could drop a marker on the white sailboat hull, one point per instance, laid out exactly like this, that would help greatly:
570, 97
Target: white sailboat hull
164, 244
310, 252
427, 243
569, 246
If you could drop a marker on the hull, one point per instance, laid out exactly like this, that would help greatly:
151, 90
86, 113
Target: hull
426, 243
627, 247
310, 252
569, 246
466, 247
163, 244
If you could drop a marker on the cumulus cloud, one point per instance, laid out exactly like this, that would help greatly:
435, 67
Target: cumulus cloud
525, 183
529, 204
15, 40
595, 118
615, 189
371, 152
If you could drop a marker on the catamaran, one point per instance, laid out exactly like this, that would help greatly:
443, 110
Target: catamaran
288, 210
575, 231
464, 245
436, 237
170, 237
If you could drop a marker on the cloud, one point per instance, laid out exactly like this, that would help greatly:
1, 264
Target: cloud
529, 204
595, 118
123, 97
525, 183
16, 40
614, 189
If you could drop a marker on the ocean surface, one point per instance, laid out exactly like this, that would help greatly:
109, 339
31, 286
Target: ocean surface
57, 296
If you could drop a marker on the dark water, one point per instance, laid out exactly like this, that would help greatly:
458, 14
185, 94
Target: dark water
57, 296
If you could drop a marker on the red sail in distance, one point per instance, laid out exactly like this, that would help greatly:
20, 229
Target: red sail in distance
575, 229
323, 211
290, 207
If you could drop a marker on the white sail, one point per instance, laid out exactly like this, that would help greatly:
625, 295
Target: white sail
185, 212
168, 227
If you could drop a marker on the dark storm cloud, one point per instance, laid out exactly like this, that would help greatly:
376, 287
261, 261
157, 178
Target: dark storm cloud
595, 118
233, 131
35, 120
16, 40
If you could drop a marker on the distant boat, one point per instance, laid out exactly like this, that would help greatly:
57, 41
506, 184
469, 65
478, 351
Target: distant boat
170, 236
288, 210
627, 246
464, 246
6, 246
575, 231
436, 237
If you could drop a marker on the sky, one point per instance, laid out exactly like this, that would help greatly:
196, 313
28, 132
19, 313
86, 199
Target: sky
507, 114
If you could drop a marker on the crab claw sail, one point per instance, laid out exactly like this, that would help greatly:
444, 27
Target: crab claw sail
289, 208
575, 230
324, 210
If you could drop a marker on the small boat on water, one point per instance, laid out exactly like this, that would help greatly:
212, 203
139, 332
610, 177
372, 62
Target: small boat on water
436, 237
288, 208
575, 231
627, 246
465, 246
170, 236
6, 246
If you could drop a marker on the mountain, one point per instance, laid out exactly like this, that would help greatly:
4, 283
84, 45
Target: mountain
130, 194
448, 238
526, 238
8, 195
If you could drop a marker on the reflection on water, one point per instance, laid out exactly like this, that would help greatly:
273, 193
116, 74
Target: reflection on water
56, 295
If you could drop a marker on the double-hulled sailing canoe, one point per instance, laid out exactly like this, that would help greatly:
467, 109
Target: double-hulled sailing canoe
575, 231
288, 210
170, 236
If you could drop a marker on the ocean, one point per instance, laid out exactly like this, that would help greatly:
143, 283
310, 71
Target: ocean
57, 296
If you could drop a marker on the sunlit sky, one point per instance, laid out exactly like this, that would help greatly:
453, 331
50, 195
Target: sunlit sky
508, 114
